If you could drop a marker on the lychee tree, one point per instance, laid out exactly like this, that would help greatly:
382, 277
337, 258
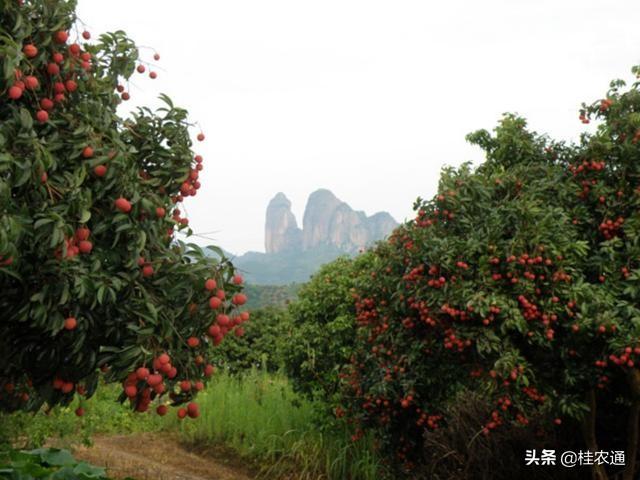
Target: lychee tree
93, 282
323, 330
519, 279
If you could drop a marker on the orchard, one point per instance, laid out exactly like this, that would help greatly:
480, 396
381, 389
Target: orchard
95, 286
518, 280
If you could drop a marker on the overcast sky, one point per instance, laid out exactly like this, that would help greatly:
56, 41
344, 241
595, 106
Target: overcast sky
366, 98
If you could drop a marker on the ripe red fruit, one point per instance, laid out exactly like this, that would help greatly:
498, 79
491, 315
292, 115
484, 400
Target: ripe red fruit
162, 410
123, 205
214, 303
223, 320
164, 359
125, 96
160, 212
67, 387
198, 158
199, 386
131, 391
71, 85
182, 413
31, 82
142, 373
244, 316
214, 330
185, 385
172, 372
239, 332
237, 279
59, 98
58, 57
42, 116
44, 177
209, 370
70, 323
46, 104
15, 93
220, 294
87, 152
210, 284
59, 87
156, 56
154, 380
30, 50
193, 410
239, 299
85, 246
61, 37
141, 69
86, 35
153, 75
147, 271
193, 342
200, 137
100, 170
79, 411
53, 69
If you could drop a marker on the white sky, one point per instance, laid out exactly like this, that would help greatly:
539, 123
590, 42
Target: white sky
366, 98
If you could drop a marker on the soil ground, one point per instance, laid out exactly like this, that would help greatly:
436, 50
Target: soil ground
160, 457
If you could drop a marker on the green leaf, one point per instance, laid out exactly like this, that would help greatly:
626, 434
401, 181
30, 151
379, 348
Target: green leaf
26, 119
85, 216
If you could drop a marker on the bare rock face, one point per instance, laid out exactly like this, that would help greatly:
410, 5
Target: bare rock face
281, 230
318, 215
380, 225
327, 222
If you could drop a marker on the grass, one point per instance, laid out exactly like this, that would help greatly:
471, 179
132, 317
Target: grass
257, 416
262, 419
103, 415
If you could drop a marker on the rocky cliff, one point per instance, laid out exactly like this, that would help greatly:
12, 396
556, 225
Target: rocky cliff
281, 231
331, 228
327, 222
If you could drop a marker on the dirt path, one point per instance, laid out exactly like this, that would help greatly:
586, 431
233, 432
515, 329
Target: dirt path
152, 457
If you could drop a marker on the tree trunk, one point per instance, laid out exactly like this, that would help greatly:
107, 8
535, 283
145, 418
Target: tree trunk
598, 472
633, 378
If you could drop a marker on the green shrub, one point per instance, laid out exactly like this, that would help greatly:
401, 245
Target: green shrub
265, 339
323, 328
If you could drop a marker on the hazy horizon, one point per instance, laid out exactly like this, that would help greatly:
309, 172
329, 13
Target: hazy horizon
366, 99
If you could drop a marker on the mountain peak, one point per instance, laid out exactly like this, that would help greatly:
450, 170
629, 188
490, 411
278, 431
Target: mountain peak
281, 229
280, 198
327, 221
330, 228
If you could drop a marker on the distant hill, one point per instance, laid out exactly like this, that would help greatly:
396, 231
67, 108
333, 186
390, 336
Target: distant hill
260, 296
330, 228
284, 267
327, 222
